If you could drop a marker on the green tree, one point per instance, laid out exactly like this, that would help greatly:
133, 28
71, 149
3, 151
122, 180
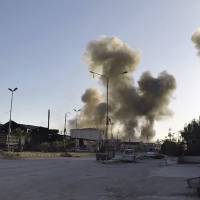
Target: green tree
191, 134
170, 148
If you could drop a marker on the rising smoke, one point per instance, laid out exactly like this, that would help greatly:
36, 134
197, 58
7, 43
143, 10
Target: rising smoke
196, 39
93, 112
134, 107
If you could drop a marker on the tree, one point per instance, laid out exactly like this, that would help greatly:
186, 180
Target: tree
191, 134
170, 148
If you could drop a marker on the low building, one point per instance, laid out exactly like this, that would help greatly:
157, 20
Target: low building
28, 135
87, 138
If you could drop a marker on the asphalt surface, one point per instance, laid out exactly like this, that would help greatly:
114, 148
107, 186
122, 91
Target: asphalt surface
85, 179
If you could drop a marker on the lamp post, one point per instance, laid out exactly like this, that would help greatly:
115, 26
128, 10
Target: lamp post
107, 100
11, 105
77, 110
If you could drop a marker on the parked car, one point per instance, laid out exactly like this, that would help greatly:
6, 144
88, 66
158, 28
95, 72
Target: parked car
154, 154
128, 156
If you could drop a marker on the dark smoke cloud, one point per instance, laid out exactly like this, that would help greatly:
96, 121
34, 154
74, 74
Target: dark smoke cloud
93, 111
196, 39
155, 94
110, 56
134, 107
147, 130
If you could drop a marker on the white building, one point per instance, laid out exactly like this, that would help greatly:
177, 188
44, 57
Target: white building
92, 134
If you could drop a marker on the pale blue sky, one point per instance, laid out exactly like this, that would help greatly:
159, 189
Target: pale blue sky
42, 44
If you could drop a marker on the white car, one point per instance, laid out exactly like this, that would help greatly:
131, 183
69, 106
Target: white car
128, 155
153, 154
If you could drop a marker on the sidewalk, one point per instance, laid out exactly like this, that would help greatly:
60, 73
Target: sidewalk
178, 170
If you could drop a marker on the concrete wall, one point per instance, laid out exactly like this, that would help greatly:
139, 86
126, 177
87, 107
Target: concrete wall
189, 159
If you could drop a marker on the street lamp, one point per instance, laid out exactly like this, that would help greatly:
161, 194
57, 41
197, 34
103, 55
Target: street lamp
77, 110
11, 103
107, 87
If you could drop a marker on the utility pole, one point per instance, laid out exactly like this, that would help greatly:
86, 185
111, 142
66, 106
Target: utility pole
65, 128
48, 127
48, 118
65, 131
107, 94
11, 105
77, 110
65, 124
107, 102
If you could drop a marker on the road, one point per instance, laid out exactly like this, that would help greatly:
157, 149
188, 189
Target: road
85, 179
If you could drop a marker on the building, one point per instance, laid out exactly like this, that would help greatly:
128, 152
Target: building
28, 136
87, 138
92, 134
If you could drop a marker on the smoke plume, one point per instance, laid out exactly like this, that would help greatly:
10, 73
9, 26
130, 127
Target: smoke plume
94, 109
134, 107
196, 39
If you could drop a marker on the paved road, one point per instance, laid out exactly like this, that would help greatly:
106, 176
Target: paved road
85, 179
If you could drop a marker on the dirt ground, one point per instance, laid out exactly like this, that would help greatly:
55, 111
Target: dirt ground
85, 179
